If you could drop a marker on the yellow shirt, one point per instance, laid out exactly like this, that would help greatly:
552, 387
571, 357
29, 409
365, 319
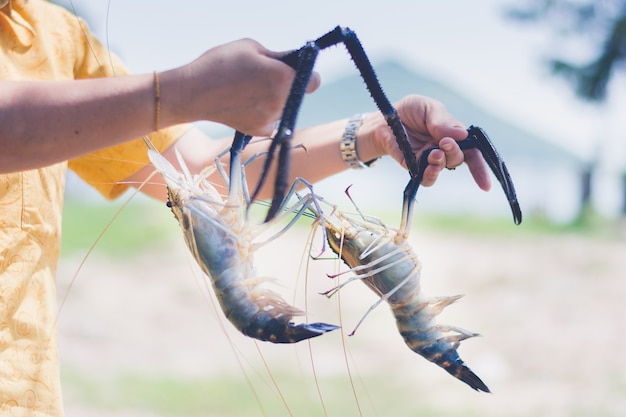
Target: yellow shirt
41, 41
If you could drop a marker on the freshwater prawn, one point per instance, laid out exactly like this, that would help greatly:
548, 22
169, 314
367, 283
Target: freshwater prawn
385, 262
222, 240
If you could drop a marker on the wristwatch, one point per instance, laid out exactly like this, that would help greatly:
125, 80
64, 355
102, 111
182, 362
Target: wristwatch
348, 143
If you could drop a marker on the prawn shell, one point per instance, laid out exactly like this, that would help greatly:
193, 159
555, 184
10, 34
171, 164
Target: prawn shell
414, 313
216, 249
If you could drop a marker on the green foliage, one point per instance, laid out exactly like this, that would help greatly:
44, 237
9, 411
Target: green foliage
589, 223
125, 230
603, 22
130, 229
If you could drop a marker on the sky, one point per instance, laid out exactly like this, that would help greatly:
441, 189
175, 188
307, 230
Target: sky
468, 45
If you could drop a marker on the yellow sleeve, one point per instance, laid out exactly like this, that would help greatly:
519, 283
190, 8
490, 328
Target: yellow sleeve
105, 169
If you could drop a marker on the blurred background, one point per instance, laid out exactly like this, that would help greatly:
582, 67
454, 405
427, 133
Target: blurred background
544, 78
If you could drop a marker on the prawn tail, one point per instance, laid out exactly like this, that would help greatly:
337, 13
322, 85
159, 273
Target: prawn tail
431, 343
444, 354
262, 314
281, 329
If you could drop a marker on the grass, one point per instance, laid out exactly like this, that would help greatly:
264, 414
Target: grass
231, 395
126, 229
146, 222
589, 224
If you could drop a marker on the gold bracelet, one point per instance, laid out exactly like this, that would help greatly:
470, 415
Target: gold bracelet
157, 102
348, 144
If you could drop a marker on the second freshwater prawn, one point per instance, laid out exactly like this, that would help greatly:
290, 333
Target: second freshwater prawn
383, 259
222, 240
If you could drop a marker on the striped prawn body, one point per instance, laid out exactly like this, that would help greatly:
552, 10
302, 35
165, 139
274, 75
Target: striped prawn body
387, 264
220, 238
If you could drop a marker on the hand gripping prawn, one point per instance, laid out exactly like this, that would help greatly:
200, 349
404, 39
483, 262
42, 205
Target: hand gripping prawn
221, 239
386, 263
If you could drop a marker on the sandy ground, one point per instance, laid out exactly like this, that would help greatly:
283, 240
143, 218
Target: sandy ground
550, 309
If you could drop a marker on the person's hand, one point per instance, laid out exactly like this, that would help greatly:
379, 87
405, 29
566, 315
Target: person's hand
240, 84
428, 123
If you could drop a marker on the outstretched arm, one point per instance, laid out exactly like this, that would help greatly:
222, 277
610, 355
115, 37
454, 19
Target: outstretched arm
240, 84
427, 121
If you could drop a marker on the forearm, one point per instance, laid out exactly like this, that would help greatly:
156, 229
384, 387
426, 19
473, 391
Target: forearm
316, 152
44, 122
240, 84
320, 156
315, 155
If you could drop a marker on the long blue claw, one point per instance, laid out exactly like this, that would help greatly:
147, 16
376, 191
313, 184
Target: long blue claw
303, 61
478, 139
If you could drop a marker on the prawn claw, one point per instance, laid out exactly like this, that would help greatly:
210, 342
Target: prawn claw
476, 139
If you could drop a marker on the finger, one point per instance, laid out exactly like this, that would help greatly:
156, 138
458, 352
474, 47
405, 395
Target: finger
287, 57
437, 157
263, 131
436, 162
442, 124
448, 127
478, 168
431, 173
453, 153
279, 55
314, 82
